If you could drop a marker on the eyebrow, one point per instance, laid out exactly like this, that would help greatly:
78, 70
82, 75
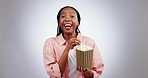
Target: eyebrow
69, 12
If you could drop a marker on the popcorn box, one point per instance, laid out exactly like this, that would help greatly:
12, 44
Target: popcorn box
84, 56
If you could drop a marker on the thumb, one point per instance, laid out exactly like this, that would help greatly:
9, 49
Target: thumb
87, 69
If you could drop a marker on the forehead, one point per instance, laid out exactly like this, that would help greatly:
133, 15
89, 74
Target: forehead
68, 10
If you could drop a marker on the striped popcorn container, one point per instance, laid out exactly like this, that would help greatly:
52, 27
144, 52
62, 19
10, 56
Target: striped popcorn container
84, 56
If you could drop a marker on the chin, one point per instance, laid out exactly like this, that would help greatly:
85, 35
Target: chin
69, 33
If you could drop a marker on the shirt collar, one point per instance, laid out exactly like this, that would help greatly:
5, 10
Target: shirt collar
62, 41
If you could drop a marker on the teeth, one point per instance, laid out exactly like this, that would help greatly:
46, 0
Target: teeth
67, 25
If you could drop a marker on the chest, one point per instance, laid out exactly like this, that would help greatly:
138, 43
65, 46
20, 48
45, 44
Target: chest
58, 50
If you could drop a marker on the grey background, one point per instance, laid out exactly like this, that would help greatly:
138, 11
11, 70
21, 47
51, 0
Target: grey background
119, 28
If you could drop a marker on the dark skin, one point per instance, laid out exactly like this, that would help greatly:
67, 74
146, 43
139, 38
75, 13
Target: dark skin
87, 73
69, 16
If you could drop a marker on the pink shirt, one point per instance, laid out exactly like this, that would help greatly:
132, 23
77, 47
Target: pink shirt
53, 49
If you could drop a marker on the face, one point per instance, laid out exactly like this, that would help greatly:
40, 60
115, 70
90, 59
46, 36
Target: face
68, 21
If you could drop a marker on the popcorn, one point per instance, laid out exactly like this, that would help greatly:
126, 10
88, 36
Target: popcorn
84, 56
84, 48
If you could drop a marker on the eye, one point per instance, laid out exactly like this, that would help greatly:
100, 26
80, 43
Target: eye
72, 16
62, 16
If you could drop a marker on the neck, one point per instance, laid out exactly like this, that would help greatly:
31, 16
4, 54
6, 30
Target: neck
67, 37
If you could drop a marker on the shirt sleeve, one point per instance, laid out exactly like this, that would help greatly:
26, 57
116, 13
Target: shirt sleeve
50, 62
97, 65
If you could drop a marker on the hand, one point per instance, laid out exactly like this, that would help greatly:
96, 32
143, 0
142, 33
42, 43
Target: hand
79, 68
87, 73
73, 42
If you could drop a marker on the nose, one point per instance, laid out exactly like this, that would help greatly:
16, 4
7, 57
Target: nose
67, 19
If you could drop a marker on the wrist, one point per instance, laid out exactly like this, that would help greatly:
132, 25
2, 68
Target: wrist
67, 48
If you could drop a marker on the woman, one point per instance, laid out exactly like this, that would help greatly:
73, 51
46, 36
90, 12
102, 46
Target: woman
59, 51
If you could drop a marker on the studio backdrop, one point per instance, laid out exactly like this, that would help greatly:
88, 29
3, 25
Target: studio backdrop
119, 27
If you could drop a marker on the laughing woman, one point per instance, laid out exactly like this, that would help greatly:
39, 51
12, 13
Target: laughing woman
59, 52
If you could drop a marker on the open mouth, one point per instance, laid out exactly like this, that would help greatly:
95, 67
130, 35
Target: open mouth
68, 25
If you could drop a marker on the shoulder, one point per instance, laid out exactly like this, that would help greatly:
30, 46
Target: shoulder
87, 40
50, 40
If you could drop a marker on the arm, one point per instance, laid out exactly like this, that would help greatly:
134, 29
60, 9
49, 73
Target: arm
97, 66
50, 61
53, 67
63, 60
